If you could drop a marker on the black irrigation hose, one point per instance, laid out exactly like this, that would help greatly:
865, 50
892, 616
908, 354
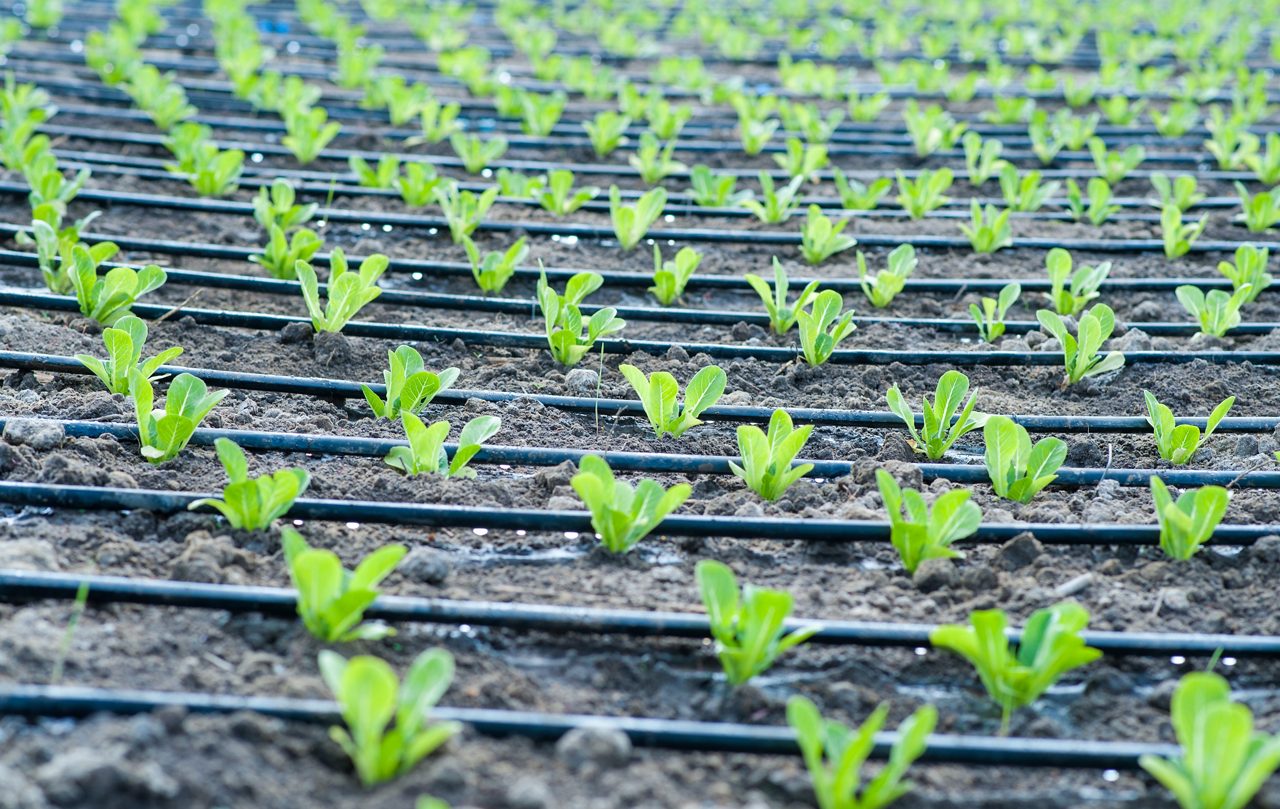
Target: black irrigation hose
408, 333
660, 462
873, 419
649, 314
21, 585
677, 734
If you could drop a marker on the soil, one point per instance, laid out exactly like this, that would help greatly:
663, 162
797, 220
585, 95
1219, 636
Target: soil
170, 759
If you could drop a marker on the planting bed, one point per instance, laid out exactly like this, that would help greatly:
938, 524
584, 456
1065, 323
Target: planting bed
1090, 537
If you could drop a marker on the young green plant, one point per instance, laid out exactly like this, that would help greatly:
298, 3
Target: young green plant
561, 314
426, 452
1187, 523
163, 433
948, 418
990, 317
918, 532
781, 315
1018, 469
660, 393
1080, 351
409, 387
347, 292
767, 457
885, 285
822, 326
620, 514
253, 504
124, 343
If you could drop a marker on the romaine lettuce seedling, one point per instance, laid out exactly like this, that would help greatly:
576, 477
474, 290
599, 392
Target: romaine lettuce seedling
1179, 235
55, 253
426, 452
475, 152
107, 298
1259, 211
252, 504
1266, 166
382, 175
493, 270
370, 697
748, 626
165, 433
124, 343
1114, 166
436, 121
347, 292
665, 120
563, 318
1024, 192
558, 195
834, 754
521, 186
712, 190
767, 458
1084, 283
418, 184
309, 131
1187, 523
822, 326
1216, 312
884, 286
1098, 207
919, 533
671, 276
1080, 353
775, 204
1019, 470
946, 420
1179, 192
409, 386
331, 600
1249, 270
821, 238
781, 315
982, 158
1224, 761
276, 207
1051, 645
856, 196
1177, 443
932, 128
866, 109
926, 193
607, 131
540, 113
620, 514
282, 254
756, 134
990, 318
988, 229
802, 160
464, 210
653, 160
632, 222
159, 96
659, 393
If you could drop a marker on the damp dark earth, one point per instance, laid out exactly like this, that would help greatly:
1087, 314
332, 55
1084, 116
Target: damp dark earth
503, 218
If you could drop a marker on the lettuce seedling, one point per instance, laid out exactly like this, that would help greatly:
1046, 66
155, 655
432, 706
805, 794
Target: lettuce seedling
1266, 166
712, 190
775, 204
982, 159
409, 387
418, 184
1179, 192
1114, 166
1051, 645
347, 292
1178, 443
821, 238
1177, 120
521, 186
988, 229
632, 222
748, 626
282, 254
1249, 270
563, 318
309, 131
276, 207
47, 183
653, 161
332, 600
932, 128
866, 109
1046, 138
666, 121
990, 317
620, 514
1084, 283
253, 504
1231, 144
856, 196
370, 696
540, 113
492, 271
558, 195
436, 121
426, 452
475, 152
926, 193
124, 343
946, 420
55, 253
107, 298
670, 277
1120, 111
884, 286
781, 316
1018, 470
756, 134
164, 433
1224, 761
767, 458
1259, 211
1179, 235
1009, 110
1217, 312
1188, 523
802, 160
919, 533
159, 96
607, 131
1025, 192
659, 393
822, 326
383, 175
834, 754
1080, 353
464, 210
1099, 208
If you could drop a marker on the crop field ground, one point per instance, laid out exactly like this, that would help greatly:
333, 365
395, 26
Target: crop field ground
343, 213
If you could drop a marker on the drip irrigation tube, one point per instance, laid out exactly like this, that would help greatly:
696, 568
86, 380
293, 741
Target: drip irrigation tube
872, 419
410, 333
677, 734
21, 585
660, 462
